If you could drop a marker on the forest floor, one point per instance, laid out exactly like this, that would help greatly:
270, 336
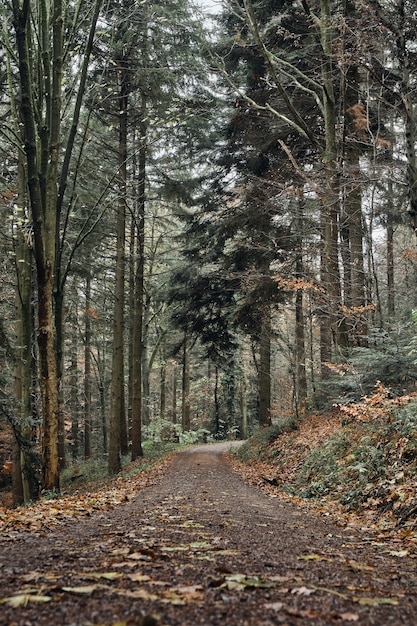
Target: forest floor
193, 542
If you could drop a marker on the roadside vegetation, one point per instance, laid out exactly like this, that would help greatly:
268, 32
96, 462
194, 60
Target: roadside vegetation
360, 461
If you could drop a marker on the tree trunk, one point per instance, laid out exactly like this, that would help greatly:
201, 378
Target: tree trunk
407, 94
25, 487
87, 368
59, 325
331, 191
390, 269
264, 372
185, 418
162, 382
41, 155
139, 375
174, 393
300, 355
74, 404
117, 379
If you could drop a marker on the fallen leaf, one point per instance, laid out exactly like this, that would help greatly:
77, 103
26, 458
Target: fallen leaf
141, 556
238, 582
302, 591
139, 578
376, 601
400, 553
142, 594
23, 599
188, 589
302, 613
105, 575
314, 557
84, 590
354, 565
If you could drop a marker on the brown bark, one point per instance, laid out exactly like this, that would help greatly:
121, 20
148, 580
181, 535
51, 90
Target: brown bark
138, 348
87, 369
331, 190
185, 417
264, 372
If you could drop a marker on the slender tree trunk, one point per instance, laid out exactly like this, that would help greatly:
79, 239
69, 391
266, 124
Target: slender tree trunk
117, 385
355, 294
73, 381
216, 402
162, 382
185, 418
407, 93
139, 375
300, 354
87, 368
25, 488
264, 372
59, 325
243, 407
390, 269
174, 394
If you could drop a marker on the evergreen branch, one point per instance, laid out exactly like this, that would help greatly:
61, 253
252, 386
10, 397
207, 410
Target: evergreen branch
265, 107
299, 122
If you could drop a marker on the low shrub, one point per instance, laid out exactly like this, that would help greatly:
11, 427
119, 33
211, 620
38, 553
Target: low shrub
258, 444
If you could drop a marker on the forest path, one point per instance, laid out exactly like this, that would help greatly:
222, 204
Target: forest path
203, 547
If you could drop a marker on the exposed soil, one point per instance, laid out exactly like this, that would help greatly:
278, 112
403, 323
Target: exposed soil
202, 546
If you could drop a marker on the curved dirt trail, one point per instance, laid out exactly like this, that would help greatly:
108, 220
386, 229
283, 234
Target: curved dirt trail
203, 547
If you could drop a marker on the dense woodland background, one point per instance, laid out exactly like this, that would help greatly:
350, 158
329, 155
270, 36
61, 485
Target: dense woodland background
208, 220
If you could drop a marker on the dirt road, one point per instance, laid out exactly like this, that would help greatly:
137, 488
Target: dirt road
203, 547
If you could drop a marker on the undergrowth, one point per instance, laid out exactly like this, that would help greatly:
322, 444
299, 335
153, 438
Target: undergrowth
86, 471
368, 464
259, 444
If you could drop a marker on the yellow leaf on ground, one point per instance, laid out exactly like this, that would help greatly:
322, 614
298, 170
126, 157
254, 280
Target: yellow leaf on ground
105, 575
139, 578
314, 557
23, 599
359, 566
376, 601
86, 589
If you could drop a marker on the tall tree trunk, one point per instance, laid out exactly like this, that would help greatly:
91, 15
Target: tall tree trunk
162, 381
331, 191
25, 487
41, 155
407, 94
264, 372
243, 406
174, 393
300, 354
216, 402
355, 295
185, 418
138, 374
117, 379
59, 325
73, 381
87, 368
390, 269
